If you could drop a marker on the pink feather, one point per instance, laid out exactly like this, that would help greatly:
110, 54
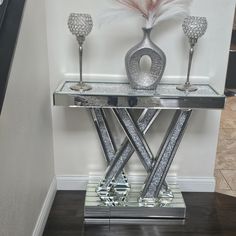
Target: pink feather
135, 5
152, 9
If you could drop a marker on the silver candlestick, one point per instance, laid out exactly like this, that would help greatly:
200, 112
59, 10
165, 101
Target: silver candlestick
194, 27
80, 25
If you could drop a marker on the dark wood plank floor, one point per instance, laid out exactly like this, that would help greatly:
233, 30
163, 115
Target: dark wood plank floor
207, 214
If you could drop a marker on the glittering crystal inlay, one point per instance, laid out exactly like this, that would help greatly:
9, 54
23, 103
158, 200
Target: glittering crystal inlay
155, 180
126, 150
135, 137
104, 132
114, 188
119, 89
106, 140
80, 24
142, 79
194, 27
110, 190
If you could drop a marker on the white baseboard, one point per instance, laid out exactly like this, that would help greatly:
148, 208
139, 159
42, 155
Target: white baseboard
199, 184
187, 184
43, 216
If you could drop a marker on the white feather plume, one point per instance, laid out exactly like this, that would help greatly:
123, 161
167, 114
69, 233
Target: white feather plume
154, 11
177, 9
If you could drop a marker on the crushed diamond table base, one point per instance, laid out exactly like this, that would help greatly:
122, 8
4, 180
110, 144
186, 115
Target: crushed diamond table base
95, 212
115, 199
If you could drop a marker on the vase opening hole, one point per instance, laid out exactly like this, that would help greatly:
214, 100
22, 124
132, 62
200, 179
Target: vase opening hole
145, 64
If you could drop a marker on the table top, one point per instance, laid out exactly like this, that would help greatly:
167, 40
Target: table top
112, 95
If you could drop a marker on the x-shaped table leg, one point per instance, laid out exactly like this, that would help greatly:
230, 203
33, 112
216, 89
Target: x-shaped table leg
107, 142
156, 168
124, 153
165, 157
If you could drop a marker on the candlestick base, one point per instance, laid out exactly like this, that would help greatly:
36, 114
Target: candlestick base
81, 87
187, 87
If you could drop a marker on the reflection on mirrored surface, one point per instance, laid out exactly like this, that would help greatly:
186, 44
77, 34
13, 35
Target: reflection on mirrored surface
123, 89
166, 96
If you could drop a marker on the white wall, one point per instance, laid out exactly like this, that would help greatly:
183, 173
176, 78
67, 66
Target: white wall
76, 146
26, 147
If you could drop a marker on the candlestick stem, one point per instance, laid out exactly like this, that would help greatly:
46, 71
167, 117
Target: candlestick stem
81, 63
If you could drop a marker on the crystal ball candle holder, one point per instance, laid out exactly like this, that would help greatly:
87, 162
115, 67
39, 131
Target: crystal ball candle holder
80, 25
194, 27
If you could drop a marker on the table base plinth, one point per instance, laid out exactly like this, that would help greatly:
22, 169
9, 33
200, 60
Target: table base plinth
134, 221
171, 211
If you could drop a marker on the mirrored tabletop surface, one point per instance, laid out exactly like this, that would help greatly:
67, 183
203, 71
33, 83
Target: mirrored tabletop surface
166, 96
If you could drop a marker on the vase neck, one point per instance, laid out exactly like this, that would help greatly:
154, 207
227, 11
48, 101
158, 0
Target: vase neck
146, 33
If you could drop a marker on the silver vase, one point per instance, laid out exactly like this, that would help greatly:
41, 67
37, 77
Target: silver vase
146, 80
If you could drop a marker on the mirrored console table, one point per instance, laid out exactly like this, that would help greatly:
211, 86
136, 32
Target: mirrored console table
115, 199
